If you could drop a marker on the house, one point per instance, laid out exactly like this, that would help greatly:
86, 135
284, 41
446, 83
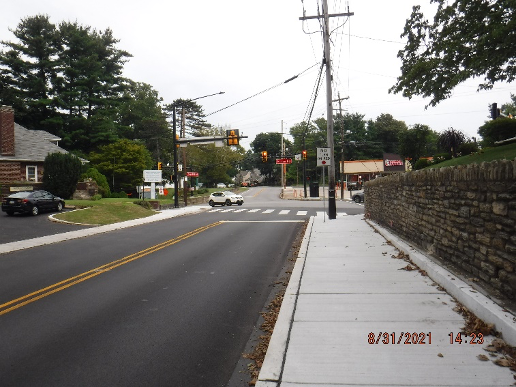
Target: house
23, 151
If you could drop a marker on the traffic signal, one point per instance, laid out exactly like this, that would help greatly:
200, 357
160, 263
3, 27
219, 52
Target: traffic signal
160, 165
495, 112
304, 154
264, 156
177, 138
232, 136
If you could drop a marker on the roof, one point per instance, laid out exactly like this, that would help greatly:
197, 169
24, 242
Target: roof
32, 145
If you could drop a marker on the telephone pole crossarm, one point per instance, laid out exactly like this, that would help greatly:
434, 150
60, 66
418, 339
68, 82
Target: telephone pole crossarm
330, 15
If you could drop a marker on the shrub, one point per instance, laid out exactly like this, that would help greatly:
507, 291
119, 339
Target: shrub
497, 130
144, 204
100, 179
96, 197
421, 163
61, 174
468, 148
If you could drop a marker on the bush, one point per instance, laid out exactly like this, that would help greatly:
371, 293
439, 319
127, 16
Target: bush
201, 191
440, 157
121, 195
421, 164
61, 174
144, 204
497, 130
468, 148
100, 179
96, 197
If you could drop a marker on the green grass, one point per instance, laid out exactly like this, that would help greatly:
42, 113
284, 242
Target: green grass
104, 211
114, 210
504, 152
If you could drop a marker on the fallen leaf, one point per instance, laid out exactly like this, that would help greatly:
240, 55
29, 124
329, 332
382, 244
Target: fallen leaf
502, 362
482, 358
440, 355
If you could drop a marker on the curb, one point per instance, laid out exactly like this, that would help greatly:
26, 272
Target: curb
50, 239
272, 368
484, 308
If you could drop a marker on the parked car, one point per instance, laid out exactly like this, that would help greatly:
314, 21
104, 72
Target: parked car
358, 197
226, 198
32, 202
221, 185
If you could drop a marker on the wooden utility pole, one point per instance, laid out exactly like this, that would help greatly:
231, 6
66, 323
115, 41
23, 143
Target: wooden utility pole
332, 209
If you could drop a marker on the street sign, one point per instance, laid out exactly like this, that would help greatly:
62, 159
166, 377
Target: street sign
192, 174
323, 157
284, 161
152, 176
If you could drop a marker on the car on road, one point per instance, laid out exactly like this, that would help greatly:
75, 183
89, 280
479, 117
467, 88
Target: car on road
225, 198
358, 197
31, 202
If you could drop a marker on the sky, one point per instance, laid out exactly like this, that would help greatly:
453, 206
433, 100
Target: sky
191, 49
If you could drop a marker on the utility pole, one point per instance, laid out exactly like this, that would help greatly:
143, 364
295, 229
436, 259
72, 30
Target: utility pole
332, 209
339, 100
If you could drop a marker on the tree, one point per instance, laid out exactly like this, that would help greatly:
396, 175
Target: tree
270, 142
193, 114
61, 172
467, 39
28, 69
510, 107
417, 142
100, 179
450, 140
497, 130
142, 118
123, 162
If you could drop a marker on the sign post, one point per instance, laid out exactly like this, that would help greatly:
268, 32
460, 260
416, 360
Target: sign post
152, 176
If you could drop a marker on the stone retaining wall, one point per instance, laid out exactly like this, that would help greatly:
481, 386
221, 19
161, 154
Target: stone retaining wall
462, 215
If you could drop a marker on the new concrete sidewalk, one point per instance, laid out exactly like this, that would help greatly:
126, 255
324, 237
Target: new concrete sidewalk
348, 289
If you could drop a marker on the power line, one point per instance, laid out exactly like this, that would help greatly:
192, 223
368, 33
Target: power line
263, 91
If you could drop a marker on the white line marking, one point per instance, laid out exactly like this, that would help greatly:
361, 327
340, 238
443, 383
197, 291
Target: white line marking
302, 213
284, 212
267, 211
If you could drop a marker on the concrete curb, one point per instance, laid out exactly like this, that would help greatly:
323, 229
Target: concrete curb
272, 369
49, 239
477, 303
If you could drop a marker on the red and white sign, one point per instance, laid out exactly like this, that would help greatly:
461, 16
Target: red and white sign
323, 157
393, 163
284, 161
192, 174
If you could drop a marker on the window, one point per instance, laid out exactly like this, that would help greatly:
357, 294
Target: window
32, 173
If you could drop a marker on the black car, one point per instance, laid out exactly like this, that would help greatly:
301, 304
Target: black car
32, 202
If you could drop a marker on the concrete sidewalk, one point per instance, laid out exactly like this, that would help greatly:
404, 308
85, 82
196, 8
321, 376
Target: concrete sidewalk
348, 289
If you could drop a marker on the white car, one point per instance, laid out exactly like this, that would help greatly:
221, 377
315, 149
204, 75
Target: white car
226, 198
221, 185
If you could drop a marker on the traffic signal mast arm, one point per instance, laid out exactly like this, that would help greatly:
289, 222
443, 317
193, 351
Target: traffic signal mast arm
207, 140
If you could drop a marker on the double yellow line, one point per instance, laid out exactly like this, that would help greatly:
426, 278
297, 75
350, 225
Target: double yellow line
29, 298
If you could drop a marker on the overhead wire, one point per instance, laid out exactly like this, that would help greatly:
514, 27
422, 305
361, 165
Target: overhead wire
263, 91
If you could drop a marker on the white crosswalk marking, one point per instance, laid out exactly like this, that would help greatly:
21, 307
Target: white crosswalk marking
241, 210
267, 211
302, 213
255, 210
284, 212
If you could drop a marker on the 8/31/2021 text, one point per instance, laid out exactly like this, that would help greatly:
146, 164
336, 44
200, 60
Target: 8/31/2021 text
400, 338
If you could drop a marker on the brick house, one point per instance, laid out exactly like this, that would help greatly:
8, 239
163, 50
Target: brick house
23, 151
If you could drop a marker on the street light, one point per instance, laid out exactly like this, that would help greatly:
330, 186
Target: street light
174, 131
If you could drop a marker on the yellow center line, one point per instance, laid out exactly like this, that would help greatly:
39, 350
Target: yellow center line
258, 193
34, 296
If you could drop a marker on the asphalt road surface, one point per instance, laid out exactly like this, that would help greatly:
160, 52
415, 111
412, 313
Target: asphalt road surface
172, 303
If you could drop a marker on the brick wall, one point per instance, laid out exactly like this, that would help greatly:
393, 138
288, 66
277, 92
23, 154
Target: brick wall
10, 171
463, 215
6, 131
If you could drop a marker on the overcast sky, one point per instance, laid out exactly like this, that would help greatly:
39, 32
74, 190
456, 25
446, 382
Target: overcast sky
189, 49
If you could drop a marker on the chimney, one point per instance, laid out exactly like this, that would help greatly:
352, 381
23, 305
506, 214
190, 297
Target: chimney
6, 131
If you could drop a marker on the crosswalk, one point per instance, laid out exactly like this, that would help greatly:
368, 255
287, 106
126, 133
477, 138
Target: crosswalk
263, 211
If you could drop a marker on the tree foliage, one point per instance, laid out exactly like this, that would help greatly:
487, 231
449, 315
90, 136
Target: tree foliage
66, 80
123, 162
61, 172
418, 141
497, 130
466, 39
450, 140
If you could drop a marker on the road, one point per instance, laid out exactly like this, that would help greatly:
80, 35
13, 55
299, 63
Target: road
171, 303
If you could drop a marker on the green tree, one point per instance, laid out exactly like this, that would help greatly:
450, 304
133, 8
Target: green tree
417, 142
28, 69
497, 130
387, 131
450, 140
142, 118
510, 107
466, 39
61, 172
270, 142
100, 179
123, 162
192, 114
